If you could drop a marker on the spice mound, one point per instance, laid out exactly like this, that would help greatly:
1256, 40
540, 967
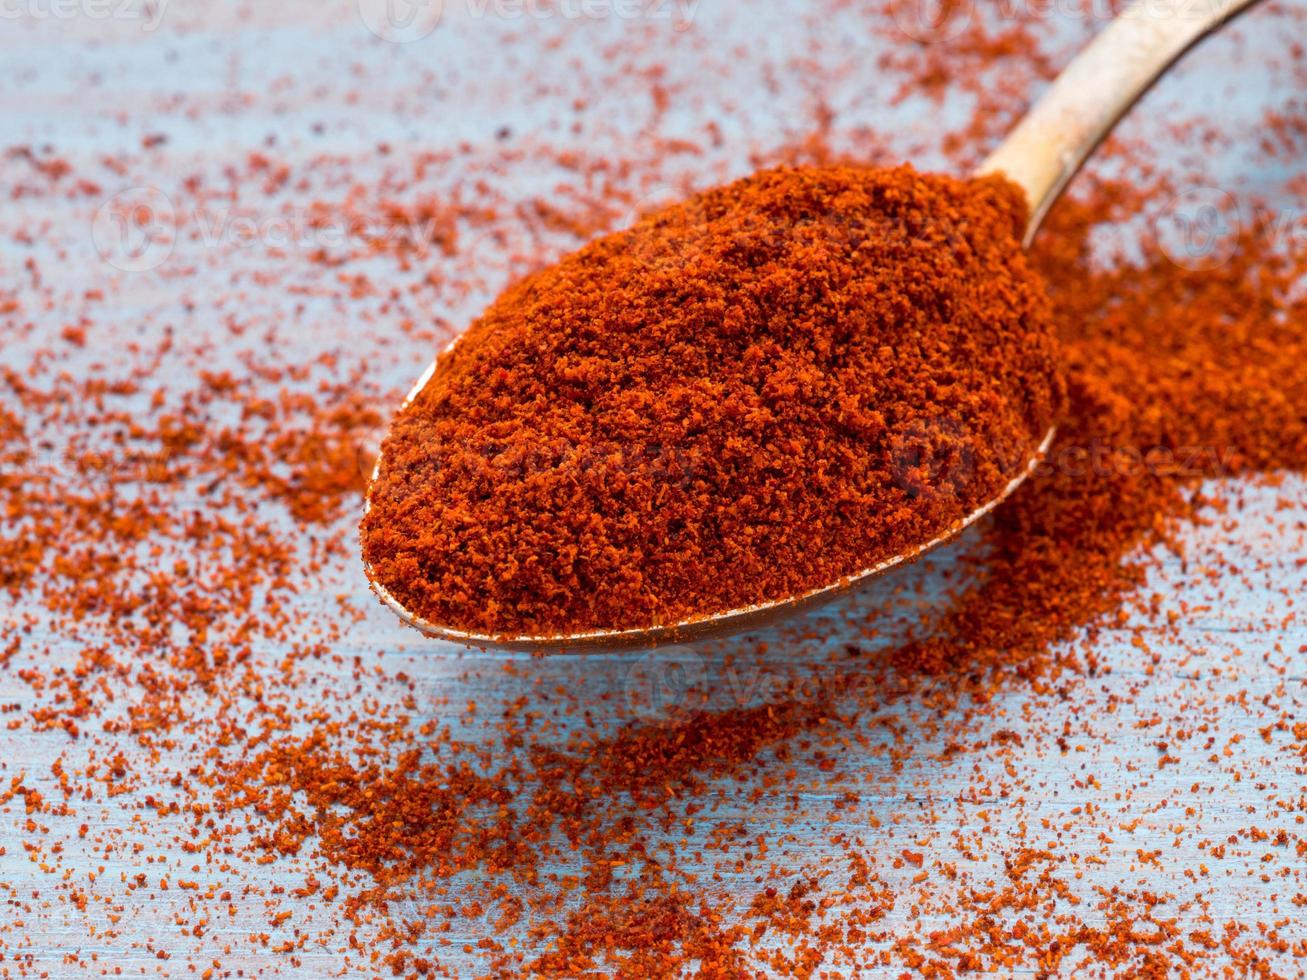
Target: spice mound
746, 396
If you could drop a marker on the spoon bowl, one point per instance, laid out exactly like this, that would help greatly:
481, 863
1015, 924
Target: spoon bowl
710, 624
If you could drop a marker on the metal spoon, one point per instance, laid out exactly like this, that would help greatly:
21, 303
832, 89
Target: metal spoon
1040, 155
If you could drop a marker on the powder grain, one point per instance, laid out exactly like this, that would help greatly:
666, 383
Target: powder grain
745, 396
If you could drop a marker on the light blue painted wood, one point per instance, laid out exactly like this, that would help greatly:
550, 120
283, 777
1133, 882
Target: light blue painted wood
219, 81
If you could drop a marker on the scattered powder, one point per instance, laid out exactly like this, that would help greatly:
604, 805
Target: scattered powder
1063, 746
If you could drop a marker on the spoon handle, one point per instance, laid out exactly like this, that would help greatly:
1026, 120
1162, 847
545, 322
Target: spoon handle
1104, 80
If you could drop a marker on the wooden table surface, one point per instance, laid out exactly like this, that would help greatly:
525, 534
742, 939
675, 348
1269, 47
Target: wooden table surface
309, 84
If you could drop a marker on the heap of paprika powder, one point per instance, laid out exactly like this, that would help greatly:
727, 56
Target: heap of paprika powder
744, 397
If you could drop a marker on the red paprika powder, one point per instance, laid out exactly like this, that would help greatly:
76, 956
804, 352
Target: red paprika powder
745, 397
